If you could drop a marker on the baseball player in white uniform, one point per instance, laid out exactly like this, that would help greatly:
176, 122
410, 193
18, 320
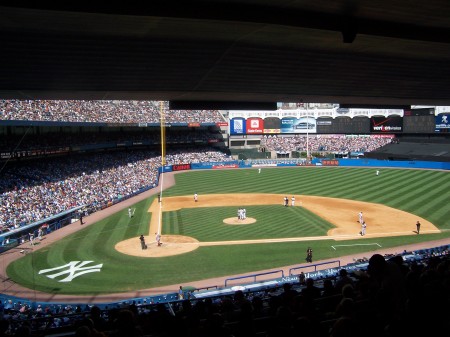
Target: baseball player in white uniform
158, 239
293, 201
129, 212
360, 218
363, 229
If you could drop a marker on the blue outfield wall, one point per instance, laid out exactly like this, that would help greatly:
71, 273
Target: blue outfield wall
395, 163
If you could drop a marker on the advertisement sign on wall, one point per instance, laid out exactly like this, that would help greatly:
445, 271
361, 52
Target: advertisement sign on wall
442, 123
386, 124
298, 125
255, 126
237, 126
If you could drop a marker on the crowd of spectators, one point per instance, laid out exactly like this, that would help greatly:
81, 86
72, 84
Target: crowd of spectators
33, 191
31, 141
103, 111
325, 143
390, 297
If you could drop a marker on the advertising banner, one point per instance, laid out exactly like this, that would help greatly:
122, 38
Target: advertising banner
298, 125
237, 126
442, 123
386, 124
181, 167
225, 166
255, 126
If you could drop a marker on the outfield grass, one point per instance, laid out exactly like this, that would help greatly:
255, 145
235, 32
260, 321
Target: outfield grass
425, 193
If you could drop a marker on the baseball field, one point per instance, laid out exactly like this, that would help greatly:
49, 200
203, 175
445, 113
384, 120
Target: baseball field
204, 239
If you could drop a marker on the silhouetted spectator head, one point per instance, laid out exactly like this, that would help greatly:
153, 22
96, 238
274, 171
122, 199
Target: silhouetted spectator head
377, 265
348, 291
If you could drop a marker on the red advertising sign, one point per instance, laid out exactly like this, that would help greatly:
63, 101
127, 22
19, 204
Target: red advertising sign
181, 167
222, 124
194, 125
255, 125
330, 162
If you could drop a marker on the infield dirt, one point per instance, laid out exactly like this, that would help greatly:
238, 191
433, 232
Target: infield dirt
343, 213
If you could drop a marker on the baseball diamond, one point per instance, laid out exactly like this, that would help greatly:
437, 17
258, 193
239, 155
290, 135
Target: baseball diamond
199, 248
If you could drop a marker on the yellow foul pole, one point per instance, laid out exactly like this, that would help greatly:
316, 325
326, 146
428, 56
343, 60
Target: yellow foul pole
163, 162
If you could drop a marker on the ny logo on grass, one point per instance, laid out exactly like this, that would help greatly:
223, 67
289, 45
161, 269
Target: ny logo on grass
73, 269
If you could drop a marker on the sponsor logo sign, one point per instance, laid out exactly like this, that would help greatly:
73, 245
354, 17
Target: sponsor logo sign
255, 126
181, 167
386, 124
330, 162
237, 126
442, 123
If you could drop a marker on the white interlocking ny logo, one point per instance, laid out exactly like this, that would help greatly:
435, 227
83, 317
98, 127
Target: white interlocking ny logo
73, 270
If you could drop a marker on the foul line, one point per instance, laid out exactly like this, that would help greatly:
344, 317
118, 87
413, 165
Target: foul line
357, 244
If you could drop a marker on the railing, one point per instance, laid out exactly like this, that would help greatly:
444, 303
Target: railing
312, 265
254, 276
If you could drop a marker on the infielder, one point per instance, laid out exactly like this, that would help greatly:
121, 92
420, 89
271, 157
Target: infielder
158, 239
360, 218
195, 197
363, 229
293, 201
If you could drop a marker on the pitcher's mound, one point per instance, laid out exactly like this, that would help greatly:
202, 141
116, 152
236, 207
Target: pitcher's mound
171, 245
236, 221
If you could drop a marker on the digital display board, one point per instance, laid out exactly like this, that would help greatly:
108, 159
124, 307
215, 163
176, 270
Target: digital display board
418, 124
343, 125
272, 125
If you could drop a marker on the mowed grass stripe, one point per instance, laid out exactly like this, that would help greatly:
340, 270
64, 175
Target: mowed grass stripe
433, 190
403, 194
389, 186
329, 182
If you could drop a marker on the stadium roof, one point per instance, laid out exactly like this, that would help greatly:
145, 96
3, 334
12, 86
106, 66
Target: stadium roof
394, 52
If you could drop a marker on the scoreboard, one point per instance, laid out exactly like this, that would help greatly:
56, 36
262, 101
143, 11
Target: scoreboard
356, 125
419, 124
